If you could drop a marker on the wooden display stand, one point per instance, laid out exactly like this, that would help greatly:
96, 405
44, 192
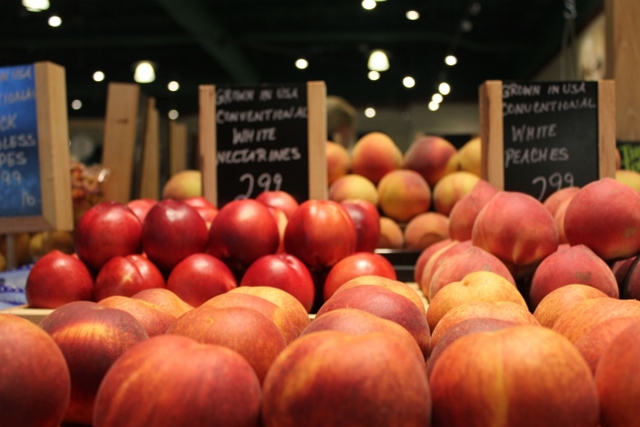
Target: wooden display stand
177, 147
150, 177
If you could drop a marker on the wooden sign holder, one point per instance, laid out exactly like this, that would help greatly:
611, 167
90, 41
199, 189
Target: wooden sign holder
316, 140
492, 131
53, 155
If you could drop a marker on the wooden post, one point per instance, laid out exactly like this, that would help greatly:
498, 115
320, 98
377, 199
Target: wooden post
121, 123
623, 63
177, 147
150, 179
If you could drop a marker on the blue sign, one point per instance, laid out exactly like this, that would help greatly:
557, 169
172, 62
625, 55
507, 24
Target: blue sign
19, 157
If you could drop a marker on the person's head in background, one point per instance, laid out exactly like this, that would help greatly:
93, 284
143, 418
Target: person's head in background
341, 121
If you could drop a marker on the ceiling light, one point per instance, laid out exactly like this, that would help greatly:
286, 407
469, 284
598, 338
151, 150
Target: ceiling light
378, 61
433, 106
370, 112
444, 88
98, 76
35, 5
466, 25
450, 60
373, 75
437, 97
409, 82
173, 114
144, 72
475, 8
76, 104
55, 21
173, 86
413, 15
301, 63
368, 4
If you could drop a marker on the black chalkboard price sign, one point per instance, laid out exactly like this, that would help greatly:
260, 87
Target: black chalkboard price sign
539, 137
35, 189
263, 138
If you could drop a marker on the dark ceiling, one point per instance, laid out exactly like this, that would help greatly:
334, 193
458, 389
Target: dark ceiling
257, 41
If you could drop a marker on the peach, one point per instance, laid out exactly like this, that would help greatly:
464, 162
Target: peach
289, 310
384, 303
572, 265
525, 376
605, 216
403, 194
165, 299
451, 188
92, 338
595, 340
387, 283
331, 378
503, 310
425, 229
474, 286
35, 386
374, 155
359, 322
153, 319
338, 161
560, 300
583, 315
463, 214
621, 269
353, 186
631, 283
553, 201
470, 156
455, 267
628, 177
183, 184
391, 235
558, 218
617, 383
459, 330
431, 156
516, 228
241, 329
172, 380
436, 259
426, 254
357, 265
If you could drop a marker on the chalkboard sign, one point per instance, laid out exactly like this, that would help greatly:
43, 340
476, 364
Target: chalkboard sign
544, 136
35, 190
19, 162
263, 138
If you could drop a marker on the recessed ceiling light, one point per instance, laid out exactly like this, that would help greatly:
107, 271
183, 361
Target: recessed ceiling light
433, 106
76, 104
302, 63
444, 88
450, 60
55, 21
35, 5
368, 4
378, 61
370, 112
373, 75
413, 15
144, 72
173, 114
98, 76
173, 86
409, 82
437, 97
